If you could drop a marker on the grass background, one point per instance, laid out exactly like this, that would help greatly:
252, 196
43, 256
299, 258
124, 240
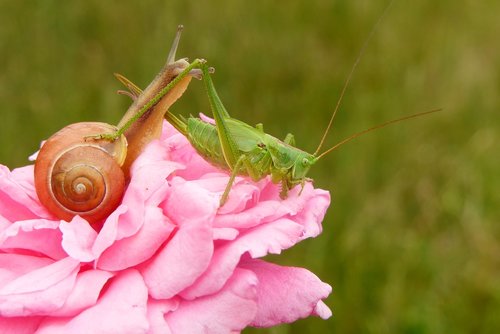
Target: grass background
411, 242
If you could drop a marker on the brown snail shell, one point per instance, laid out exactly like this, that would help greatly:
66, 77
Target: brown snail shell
76, 175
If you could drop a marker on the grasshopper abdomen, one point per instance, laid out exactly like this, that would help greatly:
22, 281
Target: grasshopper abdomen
205, 140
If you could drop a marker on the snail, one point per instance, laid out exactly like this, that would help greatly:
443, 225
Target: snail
74, 176
79, 171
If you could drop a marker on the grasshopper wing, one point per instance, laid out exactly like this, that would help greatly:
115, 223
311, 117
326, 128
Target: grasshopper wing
246, 137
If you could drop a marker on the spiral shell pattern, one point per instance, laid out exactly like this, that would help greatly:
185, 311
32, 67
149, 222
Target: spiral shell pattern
77, 175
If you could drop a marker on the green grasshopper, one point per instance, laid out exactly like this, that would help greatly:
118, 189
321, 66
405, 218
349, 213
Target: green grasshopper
242, 149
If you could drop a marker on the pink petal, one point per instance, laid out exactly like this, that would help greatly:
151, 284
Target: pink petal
322, 310
78, 239
286, 294
37, 235
109, 232
15, 265
244, 194
229, 310
188, 254
4, 223
19, 325
258, 241
156, 314
121, 309
181, 151
308, 209
206, 119
261, 213
180, 263
148, 176
188, 203
24, 177
40, 291
213, 182
85, 292
313, 212
138, 248
225, 233
16, 202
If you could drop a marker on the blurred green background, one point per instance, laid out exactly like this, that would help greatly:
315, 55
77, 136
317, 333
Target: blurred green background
411, 242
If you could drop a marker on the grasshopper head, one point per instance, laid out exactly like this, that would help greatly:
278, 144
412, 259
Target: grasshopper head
302, 166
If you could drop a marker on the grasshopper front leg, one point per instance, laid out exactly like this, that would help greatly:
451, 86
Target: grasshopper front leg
229, 146
243, 163
230, 149
239, 163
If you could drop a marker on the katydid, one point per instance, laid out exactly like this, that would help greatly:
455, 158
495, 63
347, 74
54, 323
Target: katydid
242, 149
233, 145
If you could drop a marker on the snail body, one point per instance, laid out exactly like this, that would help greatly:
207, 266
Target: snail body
78, 173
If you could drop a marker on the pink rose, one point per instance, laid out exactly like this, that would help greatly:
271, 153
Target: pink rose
167, 260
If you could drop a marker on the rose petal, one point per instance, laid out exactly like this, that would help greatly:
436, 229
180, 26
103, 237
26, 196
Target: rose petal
4, 223
261, 213
225, 233
121, 309
243, 194
229, 310
16, 203
84, 294
109, 232
24, 178
141, 246
16, 265
19, 325
180, 263
148, 176
37, 235
181, 151
156, 314
322, 310
78, 237
258, 241
286, 294
206, 119
188, 203
188, 254
311, 215
40, 291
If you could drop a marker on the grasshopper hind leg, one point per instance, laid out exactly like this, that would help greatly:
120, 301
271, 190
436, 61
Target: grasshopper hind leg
243, 163
234, 172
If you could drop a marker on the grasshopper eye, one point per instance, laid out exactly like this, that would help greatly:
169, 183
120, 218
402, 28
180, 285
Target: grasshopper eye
305, 162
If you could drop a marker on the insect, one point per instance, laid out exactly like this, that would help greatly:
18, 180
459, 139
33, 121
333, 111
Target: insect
79, 173
242, 149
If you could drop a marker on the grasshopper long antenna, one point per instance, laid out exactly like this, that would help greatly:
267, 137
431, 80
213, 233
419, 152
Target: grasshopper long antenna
175, 44
356, 135
356, 62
